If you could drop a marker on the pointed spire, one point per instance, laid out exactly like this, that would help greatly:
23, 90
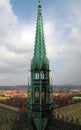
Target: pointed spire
39, 50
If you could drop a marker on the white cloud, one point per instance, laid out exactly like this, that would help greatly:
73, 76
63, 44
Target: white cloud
64, 51
15, 46
63, 46
69, 55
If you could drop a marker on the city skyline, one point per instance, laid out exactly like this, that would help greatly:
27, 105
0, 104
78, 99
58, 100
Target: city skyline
62, 29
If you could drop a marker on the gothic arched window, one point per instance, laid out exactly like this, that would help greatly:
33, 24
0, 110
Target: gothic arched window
37, 94
43, 95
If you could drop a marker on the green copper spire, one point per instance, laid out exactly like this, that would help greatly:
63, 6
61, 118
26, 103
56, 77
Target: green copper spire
40, 106
39, 50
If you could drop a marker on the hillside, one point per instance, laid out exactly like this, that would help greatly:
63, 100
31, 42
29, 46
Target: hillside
25, 87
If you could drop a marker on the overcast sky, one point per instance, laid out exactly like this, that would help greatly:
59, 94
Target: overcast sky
62, 29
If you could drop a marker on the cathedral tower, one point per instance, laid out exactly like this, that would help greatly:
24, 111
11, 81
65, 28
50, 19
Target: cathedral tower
40, 105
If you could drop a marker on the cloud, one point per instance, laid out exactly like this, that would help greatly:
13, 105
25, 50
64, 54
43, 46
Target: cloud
68, 60
63, 46
15, 46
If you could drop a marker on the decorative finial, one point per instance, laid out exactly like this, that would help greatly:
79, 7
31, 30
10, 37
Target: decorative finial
39, 1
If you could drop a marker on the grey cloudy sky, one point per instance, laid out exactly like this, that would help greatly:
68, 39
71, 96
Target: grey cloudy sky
62, 27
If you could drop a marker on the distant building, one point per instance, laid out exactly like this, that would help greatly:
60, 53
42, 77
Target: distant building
76, 98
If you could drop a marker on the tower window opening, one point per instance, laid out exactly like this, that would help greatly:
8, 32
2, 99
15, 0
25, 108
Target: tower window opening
43, 95
37, 94
42, 75
36, 75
